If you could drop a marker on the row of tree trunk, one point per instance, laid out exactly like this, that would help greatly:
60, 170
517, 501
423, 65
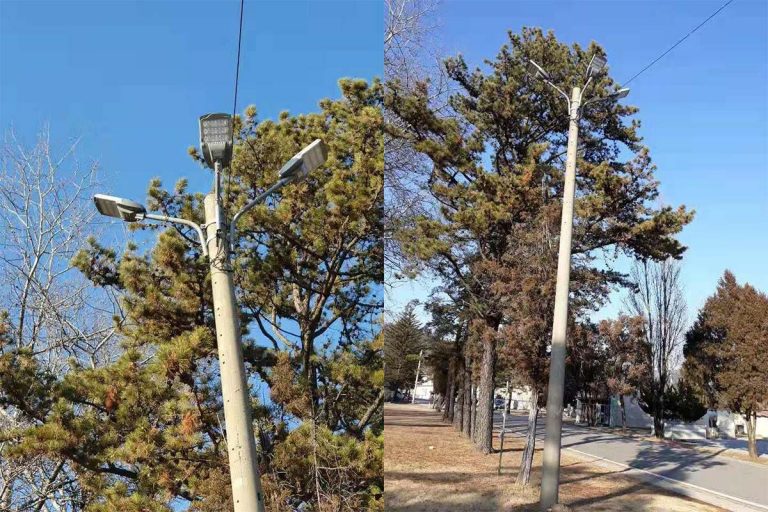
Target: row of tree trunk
468, 404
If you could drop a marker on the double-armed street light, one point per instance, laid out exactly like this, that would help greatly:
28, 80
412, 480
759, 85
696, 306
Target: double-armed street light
215, 239
550, 478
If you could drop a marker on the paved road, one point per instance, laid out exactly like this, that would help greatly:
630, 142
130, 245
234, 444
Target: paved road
743, 480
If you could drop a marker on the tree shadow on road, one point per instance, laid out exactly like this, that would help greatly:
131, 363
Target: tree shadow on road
659, 458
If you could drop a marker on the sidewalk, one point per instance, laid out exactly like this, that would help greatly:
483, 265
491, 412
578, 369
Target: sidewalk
429, 467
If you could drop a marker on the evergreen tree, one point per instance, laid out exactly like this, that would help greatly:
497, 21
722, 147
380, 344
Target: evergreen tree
732, 333
404, 339
146, 429
496, 183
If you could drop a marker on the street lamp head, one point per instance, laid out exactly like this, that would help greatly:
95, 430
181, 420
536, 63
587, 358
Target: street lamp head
621, 93
596, 65
304, 162
125, 209
216, 138
536, 70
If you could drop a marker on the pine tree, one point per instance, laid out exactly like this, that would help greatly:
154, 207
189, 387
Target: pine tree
146, 429
496, 182
404, 339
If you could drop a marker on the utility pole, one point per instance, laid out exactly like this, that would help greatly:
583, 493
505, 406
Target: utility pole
550, 472
503, 425
416, 382
550, 476
241, 444
216, 145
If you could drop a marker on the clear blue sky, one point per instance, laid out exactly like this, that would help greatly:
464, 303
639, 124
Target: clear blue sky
704, 109
133, 77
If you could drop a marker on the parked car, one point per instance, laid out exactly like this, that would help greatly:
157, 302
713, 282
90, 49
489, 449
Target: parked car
498, 403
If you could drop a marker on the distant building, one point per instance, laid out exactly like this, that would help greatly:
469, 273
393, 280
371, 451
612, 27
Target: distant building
423, 391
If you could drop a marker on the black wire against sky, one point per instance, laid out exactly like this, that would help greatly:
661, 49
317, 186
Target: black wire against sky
234, 102
677, 43
237, 67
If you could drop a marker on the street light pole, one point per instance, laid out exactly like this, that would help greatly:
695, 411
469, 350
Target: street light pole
241, 445
550, 476
216, 145
416, 382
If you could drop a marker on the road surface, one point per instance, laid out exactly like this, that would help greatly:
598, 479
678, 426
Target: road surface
720, 480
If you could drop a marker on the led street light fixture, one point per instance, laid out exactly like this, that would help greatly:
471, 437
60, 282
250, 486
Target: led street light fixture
216, 138
304, 162
596, 65
537, 70
125, 209
621, 93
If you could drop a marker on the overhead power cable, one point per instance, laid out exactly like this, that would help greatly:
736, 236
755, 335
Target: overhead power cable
657, 59
234, 102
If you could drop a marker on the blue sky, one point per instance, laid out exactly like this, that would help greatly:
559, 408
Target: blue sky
704, 109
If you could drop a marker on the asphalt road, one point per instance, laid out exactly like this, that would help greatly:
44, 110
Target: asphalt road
678, 466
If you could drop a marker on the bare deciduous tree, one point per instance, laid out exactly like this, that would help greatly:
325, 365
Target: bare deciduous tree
411, 59
658, 298
51, 311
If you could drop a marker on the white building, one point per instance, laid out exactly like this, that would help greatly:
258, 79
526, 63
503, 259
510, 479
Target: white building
730, 425
423, 390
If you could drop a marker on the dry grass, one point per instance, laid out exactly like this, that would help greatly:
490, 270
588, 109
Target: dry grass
429, 467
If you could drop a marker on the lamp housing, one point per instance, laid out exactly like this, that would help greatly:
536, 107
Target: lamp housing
304, 162
537, 71
596, 65
120, 208
621, 93
216, 139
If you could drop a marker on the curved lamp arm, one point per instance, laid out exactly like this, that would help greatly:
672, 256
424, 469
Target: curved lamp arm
567, 99
260, 199
176, 220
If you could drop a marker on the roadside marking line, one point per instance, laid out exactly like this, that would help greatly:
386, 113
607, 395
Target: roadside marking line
661, 477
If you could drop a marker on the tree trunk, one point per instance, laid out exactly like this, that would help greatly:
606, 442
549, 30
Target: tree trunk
450, 391
473, 406
466, 425
658, 415
458, 408
751, 434
484, 437
524, 475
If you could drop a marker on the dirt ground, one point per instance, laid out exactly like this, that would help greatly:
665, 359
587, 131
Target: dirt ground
429, 467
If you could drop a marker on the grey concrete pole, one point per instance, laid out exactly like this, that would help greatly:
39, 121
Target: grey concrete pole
550, 476
416, 382
241, 445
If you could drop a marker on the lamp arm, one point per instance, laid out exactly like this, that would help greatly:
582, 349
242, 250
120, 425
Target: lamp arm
594, 100
259, 199
176, 220
586, 84
567, 99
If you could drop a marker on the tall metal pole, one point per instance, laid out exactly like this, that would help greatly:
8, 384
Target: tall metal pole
503, 426
550, 477
416, 382
247, 495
